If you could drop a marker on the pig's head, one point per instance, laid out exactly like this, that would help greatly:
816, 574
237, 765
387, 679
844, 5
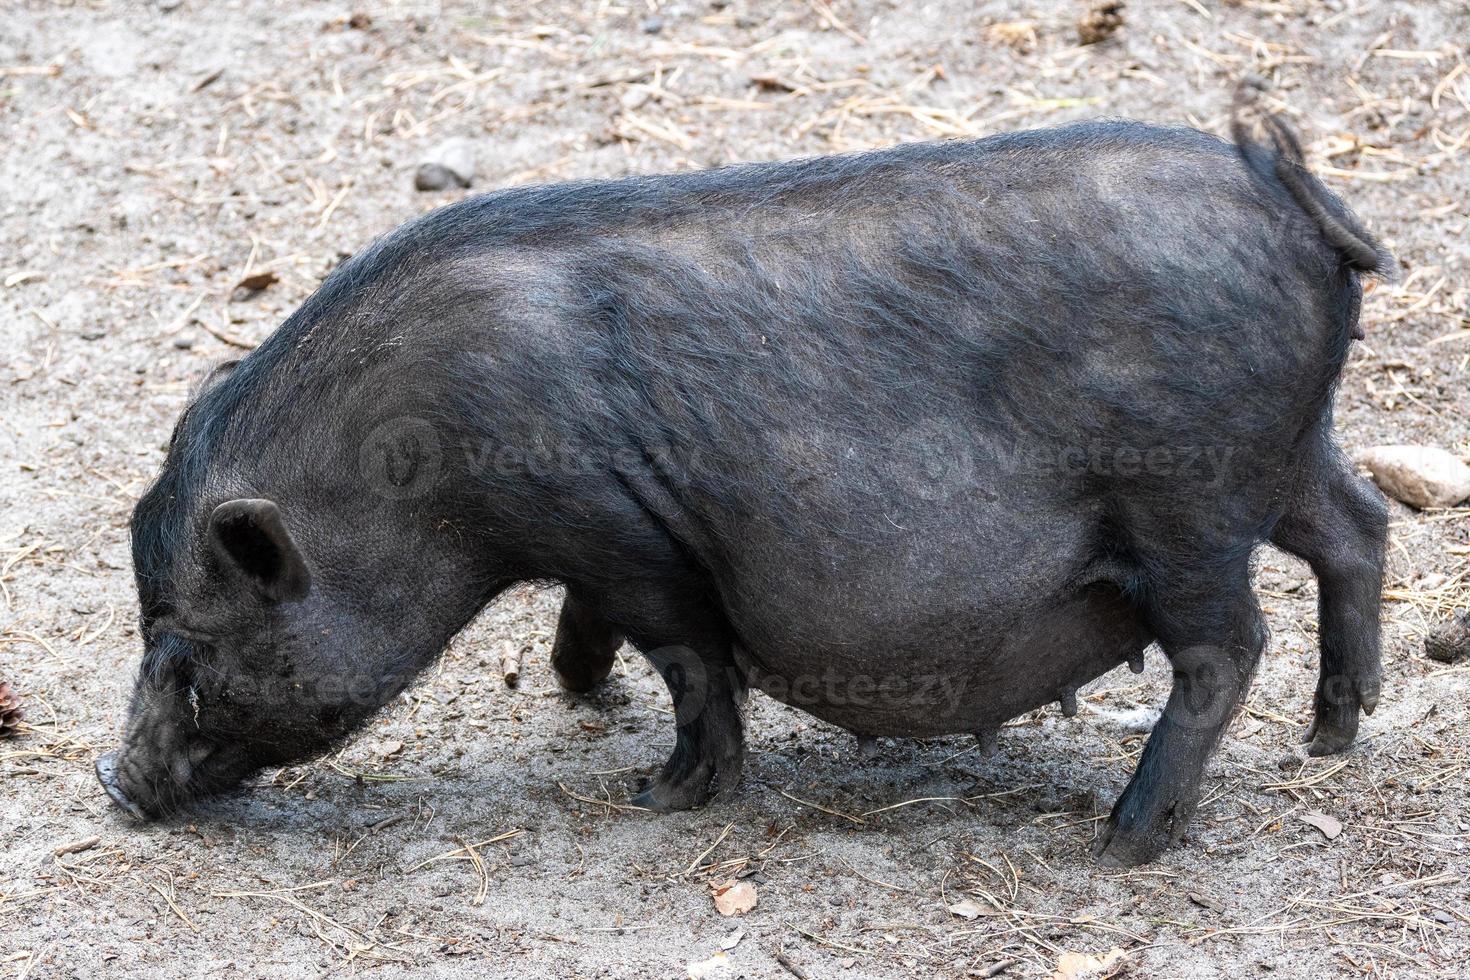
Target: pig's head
282, 603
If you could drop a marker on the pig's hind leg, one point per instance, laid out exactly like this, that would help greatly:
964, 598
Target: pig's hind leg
585, 646
1338, 523
1209, 625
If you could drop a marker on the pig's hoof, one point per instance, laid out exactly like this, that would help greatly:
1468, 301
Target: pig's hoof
585, 647
1136, 835
1120, 847
1335, 722
703, 765
579, 672
665, 795
686, 787
578, 683
1327, 737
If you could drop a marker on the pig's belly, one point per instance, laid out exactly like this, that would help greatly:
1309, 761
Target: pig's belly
956, 684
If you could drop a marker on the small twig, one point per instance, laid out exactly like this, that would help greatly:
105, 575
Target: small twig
791, 967
76, 847
230, 339
481, 870
459, 852
511, 655
817, 806
607, 803
709, 850
173, 905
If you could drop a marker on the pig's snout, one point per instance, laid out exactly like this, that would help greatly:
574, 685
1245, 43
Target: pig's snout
156, 776
107, 775
151, 784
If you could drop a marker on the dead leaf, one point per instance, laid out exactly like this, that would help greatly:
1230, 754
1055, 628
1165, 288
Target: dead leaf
1330, 826
1072, 966
386, 749
253, 284
709, 967
734, 898
1205, 902
968, 908
1019, 35
773, 83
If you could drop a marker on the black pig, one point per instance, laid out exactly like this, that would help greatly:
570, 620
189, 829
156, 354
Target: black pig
916, 440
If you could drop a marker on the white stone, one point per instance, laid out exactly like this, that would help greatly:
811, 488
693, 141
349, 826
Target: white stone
452, 161
1421, 476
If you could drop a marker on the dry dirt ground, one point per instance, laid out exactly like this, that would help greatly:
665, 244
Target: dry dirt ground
154, 154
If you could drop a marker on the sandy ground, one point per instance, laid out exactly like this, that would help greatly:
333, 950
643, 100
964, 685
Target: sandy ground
153, 154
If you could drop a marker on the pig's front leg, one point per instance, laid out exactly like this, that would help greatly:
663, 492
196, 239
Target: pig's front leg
709, 740
585, 646
1213, 636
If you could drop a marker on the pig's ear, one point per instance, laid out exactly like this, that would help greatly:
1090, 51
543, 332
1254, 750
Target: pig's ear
250, 537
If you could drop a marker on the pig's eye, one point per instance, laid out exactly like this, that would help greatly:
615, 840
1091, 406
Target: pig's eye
196, 637
169, 653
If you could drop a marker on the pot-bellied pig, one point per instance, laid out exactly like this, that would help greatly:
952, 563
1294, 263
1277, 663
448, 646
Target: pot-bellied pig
916, 440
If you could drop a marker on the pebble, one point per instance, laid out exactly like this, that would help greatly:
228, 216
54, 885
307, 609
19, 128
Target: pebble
653, 25
1100, 23
450, 163
1450, 642
1432, 581
1420, 476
